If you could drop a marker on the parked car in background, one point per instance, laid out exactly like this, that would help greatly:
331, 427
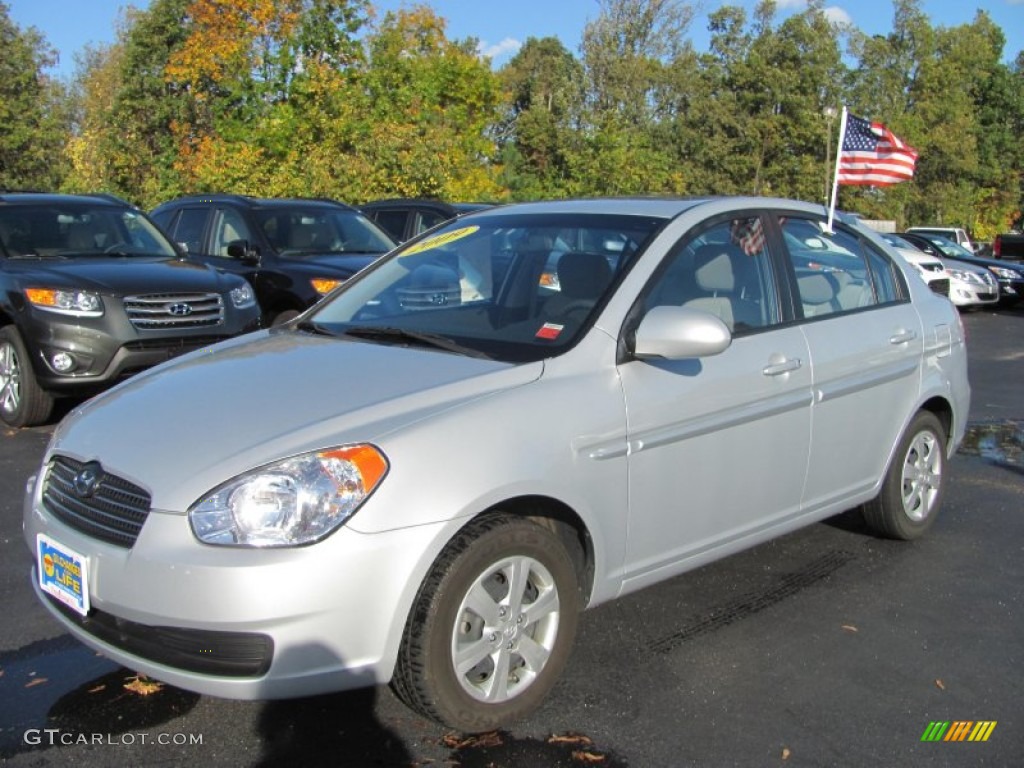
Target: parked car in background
462, 459
293, 251
404, 218
91, 292
1008, 276
957, 234
930, 267
1009, 246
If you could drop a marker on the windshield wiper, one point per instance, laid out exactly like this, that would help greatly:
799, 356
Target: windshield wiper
401, 335
308, 326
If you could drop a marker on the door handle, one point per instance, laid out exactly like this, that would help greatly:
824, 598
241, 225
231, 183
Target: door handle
784, 366
902, 337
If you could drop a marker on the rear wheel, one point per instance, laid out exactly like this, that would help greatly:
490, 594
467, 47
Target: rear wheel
492, 626
911, 494
23, 402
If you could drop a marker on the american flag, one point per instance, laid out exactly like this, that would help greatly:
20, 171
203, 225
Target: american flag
748, 234
873, 155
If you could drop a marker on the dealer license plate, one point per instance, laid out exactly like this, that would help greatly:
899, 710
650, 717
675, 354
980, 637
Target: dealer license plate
63, 573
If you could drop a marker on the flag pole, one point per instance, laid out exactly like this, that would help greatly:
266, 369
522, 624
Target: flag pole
835, 176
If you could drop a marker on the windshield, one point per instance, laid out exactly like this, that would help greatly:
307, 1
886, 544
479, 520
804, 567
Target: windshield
512, 287
898, 242
948, 247
298, 232
75, 229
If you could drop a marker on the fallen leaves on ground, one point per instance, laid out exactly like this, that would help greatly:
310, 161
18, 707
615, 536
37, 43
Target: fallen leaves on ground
455, 741
786, 753
569, 738
587, 757
940, 685
36, 681
142, 685
850, 628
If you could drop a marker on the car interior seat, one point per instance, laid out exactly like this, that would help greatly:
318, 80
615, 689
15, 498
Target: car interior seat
81, 237
582, 278
725, 285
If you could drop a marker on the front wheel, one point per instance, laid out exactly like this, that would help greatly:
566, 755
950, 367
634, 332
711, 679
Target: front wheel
911, 493
23, 403
283, 317
492, 626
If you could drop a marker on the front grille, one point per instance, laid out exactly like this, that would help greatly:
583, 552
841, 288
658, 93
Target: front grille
228, 654
157, 311
176, 345
113, 510
940, 286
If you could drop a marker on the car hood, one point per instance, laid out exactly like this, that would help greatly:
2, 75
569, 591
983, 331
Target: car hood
121, 276
188, 425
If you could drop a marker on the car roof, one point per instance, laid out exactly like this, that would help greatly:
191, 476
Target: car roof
658, 207
53, 198
249, 201
424, 202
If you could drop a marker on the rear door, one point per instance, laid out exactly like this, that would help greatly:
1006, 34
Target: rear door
865, 342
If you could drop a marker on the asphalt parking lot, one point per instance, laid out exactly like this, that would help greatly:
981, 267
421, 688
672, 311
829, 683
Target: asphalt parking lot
827, 647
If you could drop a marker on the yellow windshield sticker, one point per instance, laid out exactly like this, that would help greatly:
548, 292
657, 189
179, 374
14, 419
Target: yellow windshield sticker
438, 240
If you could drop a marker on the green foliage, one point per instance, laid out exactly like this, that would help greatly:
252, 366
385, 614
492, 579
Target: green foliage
34, 120
319, 97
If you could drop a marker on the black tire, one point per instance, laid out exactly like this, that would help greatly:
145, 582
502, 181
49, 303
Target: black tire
23, 403
479, 561
912, 492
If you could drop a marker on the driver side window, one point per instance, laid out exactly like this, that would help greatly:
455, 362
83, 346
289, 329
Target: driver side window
228, 227
724, 270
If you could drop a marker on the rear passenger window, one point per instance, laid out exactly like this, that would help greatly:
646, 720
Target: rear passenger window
836, 271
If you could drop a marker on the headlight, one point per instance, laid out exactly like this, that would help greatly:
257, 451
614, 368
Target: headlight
959, 274
1006, 274
324, 285
290, 502
66, 302
242, 297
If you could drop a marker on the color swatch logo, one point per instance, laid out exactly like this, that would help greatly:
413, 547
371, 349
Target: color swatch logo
959, 730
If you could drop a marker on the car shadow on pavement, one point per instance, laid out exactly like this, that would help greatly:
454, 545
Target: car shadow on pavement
343, 725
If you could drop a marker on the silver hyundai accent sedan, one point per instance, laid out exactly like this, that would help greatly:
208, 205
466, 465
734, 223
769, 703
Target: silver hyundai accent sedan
526, 412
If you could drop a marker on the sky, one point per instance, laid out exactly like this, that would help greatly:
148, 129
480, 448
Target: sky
502, 26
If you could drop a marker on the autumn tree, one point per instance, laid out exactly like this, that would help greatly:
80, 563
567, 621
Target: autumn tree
431, 104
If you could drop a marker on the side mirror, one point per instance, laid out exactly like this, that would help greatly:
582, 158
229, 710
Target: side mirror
240, 249
677, 333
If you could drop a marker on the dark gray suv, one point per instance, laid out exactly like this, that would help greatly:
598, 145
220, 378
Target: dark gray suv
91, 292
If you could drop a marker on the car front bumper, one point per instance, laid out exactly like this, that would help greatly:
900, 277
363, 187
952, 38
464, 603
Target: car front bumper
970, 295
243, 623
106, 349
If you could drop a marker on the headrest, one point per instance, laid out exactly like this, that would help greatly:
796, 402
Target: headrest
714, 269
583, 275
816, 289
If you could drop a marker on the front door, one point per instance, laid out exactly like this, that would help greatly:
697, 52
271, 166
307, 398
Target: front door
718, 446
